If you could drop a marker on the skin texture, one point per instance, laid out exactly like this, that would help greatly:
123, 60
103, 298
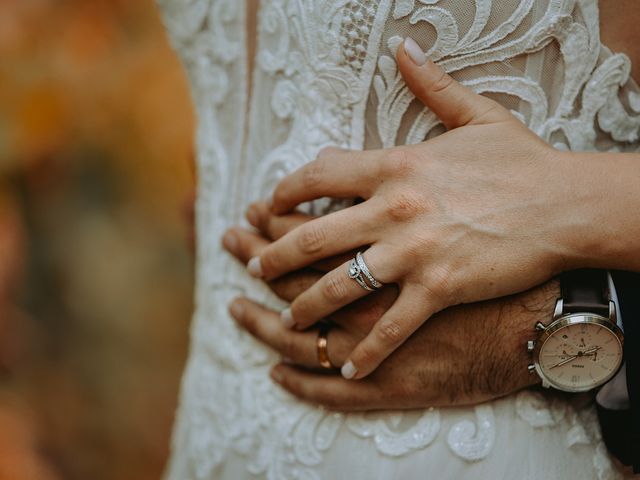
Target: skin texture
463, 355
481, 212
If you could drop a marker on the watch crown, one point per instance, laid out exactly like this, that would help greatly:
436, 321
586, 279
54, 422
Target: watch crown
540, 327
530, 346
531, 368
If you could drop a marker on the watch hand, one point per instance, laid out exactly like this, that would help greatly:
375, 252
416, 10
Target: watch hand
564, 362
573, 357
591, 350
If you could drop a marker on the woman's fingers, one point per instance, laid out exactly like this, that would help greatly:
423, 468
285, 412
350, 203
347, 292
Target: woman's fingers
335, 173
455, 104
298, 347
274, 227
335, 290
332, 392
408, 313
244, 244
321, 238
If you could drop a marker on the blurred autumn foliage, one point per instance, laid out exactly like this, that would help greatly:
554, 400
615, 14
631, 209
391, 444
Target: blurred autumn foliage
95, 274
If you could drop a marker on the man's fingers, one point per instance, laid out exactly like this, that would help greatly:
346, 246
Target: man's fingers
299, 347
455, 104
406, 315
335, 173
273, 226
360, 316
290, 286
244, 244
330, 391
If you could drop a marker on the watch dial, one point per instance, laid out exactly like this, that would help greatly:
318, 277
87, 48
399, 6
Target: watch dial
580, 356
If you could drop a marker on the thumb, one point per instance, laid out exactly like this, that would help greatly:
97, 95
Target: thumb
455, 104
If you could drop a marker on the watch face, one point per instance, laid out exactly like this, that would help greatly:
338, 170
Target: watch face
580, 352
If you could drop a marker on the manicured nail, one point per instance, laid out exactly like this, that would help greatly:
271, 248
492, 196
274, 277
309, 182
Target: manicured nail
236, 308
230, 241
276, 374
287, 318
414, 51
348, 370
255, 267
252, 215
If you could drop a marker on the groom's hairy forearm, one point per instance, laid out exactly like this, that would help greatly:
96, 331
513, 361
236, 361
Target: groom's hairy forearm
493, 345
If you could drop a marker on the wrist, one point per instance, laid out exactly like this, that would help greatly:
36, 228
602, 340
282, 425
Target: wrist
527, 309
598, 193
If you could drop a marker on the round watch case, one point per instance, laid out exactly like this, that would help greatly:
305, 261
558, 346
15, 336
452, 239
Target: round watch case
562, 321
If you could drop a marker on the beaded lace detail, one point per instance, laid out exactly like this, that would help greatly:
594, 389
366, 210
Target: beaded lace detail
326, 75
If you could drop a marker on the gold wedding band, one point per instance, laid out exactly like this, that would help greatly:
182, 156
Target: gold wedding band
321, 345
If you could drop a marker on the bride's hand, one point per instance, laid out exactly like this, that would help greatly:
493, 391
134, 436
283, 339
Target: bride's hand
470, 215
358, 317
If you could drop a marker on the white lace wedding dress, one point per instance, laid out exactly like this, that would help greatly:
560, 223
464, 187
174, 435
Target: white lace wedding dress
325, 75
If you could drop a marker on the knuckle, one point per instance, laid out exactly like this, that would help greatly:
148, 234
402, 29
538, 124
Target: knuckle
441, 83
280, 195
248, 320
305, 392
490, 110
405, 206
327, 398
312, 174
329, 151
440, 286
335, 289
390, 332
293, 385
311, 239
288, 346
269, 262
399, 163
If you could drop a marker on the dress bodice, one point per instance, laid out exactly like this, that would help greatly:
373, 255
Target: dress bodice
324, 74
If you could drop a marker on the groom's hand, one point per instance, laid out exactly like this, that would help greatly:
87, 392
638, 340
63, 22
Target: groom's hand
466, 354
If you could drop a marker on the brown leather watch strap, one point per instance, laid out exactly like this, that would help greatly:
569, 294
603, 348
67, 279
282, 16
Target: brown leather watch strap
585, 291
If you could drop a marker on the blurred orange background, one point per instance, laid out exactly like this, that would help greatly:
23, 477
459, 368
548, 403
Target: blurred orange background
95, 271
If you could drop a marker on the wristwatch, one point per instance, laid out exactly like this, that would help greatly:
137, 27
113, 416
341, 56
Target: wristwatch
581, 348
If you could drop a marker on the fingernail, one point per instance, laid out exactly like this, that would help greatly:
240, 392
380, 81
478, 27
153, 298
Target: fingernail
252, 215
414, 51
230, 241
255, 267
287, 360
348, 370
236, 309
276, 374
287, 318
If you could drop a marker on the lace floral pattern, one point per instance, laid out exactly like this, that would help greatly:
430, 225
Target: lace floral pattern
325, 75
